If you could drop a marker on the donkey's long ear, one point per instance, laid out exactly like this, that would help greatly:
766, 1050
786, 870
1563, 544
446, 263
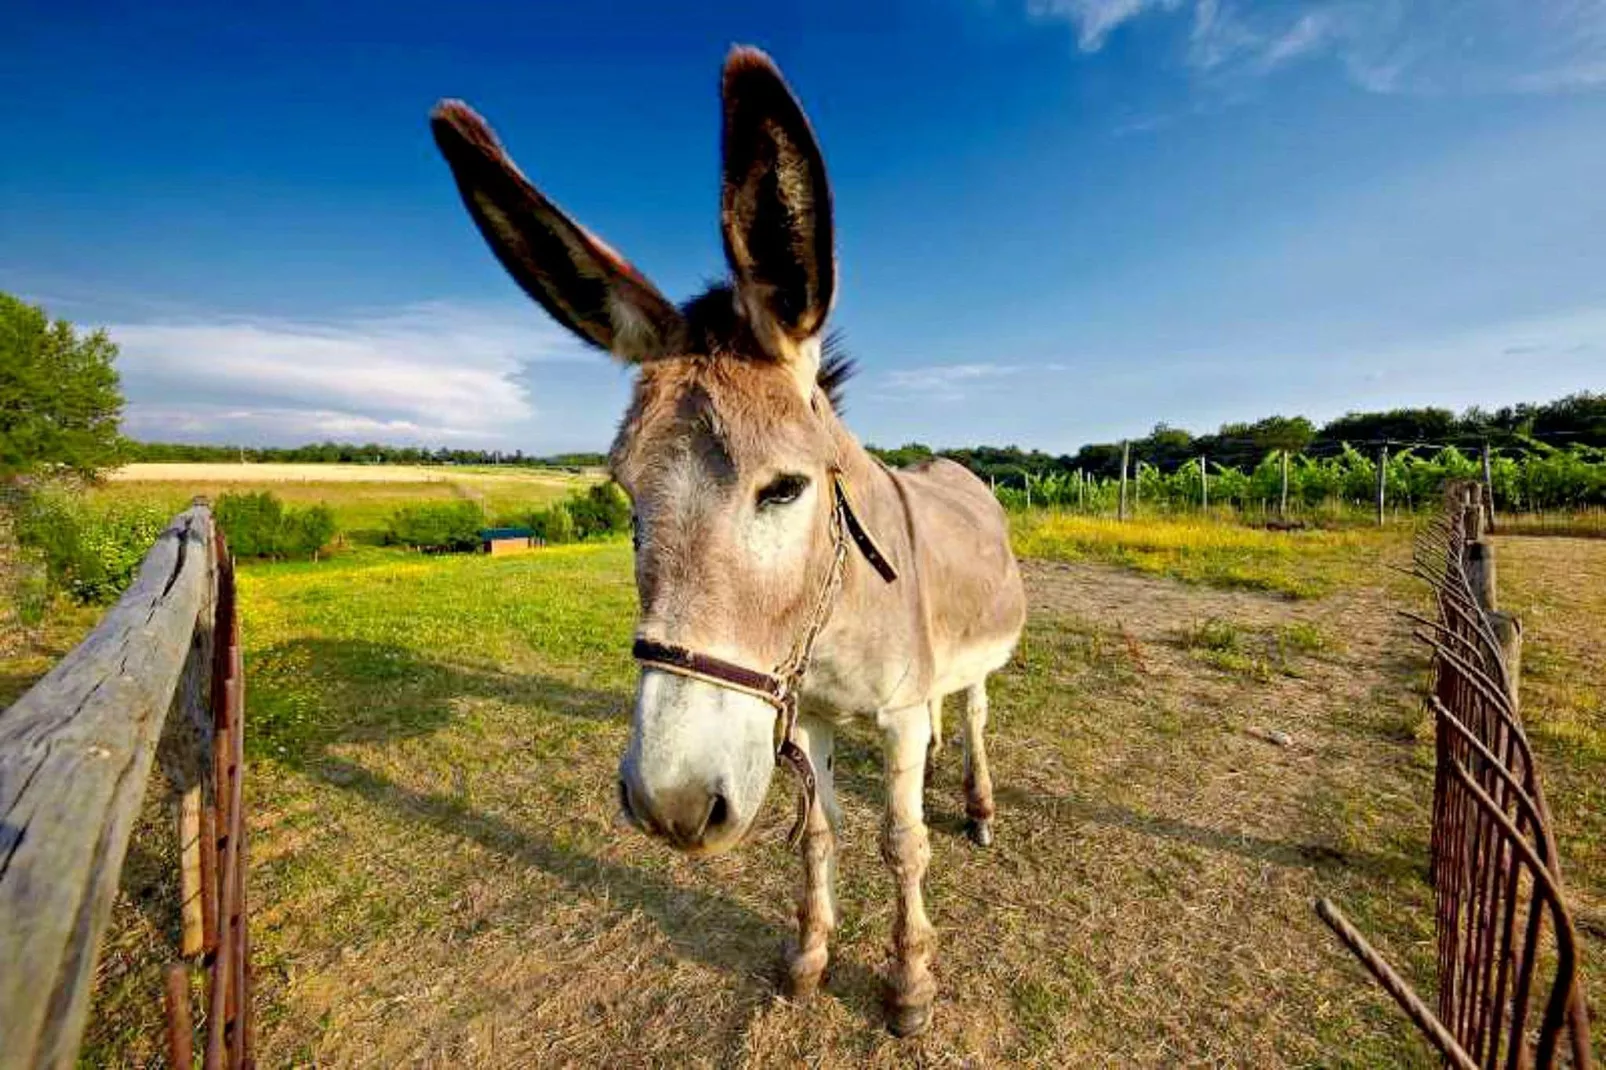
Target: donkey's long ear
585, 285
775, 206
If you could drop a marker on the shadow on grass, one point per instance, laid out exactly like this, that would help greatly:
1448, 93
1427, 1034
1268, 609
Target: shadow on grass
13, 685
314, 694
699, 924
311, 694
1258, 848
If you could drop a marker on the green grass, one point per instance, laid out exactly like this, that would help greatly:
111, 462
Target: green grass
1207, 551
436, 877
426, 632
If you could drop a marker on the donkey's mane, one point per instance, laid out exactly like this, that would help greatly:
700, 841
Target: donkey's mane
716, 328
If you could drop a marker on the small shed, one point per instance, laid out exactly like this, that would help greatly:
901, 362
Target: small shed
506, 540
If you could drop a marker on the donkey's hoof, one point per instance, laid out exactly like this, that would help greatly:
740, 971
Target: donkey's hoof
800, 987
980, 831
908, 1019
803, 974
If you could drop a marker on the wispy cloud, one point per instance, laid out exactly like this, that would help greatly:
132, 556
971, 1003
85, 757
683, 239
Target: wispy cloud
425, 373
1384, 46
1095, 19
954, 382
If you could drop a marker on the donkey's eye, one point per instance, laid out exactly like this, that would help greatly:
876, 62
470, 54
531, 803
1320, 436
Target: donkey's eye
781, 490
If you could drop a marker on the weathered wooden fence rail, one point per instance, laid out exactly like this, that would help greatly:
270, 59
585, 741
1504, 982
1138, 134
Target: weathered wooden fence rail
158, 680
1505, 935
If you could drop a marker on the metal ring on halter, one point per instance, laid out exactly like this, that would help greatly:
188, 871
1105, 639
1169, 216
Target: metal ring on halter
783, 687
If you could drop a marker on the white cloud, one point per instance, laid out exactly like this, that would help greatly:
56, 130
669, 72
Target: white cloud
1094, 19
1384, 46
422, 373
953, 382
1313, 30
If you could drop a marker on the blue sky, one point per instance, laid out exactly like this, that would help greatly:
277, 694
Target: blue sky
1059, 221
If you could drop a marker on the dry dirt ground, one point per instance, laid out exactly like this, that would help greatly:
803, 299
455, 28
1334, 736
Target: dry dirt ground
1179, 773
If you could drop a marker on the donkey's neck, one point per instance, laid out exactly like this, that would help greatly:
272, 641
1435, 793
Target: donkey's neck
875, 651
877, 498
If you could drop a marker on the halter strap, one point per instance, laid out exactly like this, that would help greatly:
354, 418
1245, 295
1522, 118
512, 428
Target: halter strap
683, 662
782, 687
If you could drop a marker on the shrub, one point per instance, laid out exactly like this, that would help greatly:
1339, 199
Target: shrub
604, 509
258, 525
437, 526
250, 522
552, 525
89, 552
308, 531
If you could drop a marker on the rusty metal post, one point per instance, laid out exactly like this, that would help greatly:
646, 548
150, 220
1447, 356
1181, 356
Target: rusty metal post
180, 1022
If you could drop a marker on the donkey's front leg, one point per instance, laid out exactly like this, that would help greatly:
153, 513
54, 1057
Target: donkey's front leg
816, 905
907, 849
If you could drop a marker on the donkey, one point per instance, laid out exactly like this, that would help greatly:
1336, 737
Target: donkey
765, 535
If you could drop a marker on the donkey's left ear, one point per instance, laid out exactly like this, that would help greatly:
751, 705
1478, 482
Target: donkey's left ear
775, 208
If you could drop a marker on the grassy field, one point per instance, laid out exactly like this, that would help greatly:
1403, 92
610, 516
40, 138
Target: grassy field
363, 497
1299, 564
1181, 768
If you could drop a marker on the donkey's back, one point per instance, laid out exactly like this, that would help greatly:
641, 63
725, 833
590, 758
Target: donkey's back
975, 603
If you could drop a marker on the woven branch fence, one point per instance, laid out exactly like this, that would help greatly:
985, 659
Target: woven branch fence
1507, 954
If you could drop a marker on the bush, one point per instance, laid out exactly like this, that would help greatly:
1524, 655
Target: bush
553, 525
250, 523
308, 531
437, 526
89, 552
602, 510
258, 525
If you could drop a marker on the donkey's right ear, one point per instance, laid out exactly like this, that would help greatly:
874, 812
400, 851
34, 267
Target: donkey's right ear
585, 285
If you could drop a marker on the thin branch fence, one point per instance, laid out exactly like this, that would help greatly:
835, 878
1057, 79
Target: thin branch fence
1507, 951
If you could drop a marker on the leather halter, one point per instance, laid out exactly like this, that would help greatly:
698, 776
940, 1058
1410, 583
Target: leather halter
783, 686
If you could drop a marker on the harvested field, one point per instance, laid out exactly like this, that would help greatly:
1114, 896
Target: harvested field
363, 496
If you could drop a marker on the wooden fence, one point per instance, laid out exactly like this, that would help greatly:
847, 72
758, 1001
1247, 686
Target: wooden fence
158, 681
1507, 954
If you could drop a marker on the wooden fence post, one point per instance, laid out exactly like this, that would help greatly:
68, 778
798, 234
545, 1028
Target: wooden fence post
1473, 512
75, 754
1488, 484
1126, 454
1382, 480
1282, 505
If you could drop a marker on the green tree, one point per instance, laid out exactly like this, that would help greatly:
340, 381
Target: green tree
60, 398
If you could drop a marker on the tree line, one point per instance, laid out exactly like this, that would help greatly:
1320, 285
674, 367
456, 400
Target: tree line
350, 453
61, 406
1575, 420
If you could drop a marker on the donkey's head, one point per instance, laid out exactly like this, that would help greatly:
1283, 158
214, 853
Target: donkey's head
728, 448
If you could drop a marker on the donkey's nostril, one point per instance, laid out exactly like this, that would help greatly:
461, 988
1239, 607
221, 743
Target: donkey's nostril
719, 813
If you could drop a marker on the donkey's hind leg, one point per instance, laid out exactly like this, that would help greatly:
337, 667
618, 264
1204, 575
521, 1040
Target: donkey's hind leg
978, 781
934, 748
